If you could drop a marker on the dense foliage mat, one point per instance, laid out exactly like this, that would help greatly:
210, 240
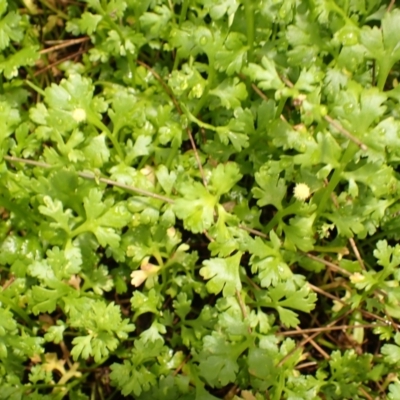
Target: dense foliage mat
199, 199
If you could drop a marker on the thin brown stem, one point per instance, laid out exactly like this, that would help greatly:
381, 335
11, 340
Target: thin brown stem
163, 84
259, 92
332, 122
305, 341
179, 109
357, 253
253, 231
306, 365
286, 81
92, 176
314, 344
365, 393
390, 6
345, 132
326, 294
387, 321
242, 307
55, 63
207, 235
196, 154
63, 44
181, 365
330, 265
328, 329
255, 286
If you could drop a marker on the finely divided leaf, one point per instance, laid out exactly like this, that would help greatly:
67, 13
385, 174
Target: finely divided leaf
223, 274
196, 207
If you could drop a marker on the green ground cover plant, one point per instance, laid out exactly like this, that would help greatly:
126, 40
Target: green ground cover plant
199, 199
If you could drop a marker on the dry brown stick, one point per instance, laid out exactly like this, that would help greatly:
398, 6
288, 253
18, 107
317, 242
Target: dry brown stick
179, 109
88, 175
333, 195
329, 264
176, 372
63, 44
163, 84
242, 307
314, 344
305, 341
207, 235
364, 312
357, 253
326, 294
91, 176
332, 122
306, 365
323, 329
47, 67
262, 95
286, 81
8, 283
259, 92
27, 161
392, 3
241, 304
364, 392
335, 284
253, 231
255, 286
345, 132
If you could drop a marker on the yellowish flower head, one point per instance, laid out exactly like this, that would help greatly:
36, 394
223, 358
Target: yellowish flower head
79, 114
301, 191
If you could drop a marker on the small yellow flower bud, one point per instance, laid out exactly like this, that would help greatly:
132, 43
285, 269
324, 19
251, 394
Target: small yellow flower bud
301, 191
357, 278
79, 114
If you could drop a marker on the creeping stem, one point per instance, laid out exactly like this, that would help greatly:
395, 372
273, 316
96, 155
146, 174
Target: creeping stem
249, 11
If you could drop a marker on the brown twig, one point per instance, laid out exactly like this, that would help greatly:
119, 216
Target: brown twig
314, 344
364, 312
253, 231
9, 282
255, 286
242, 307
179, 109
306, 365
332, 122
286, 81
365, 393
181, 365
357, 253
55, 63
163, 84
330, 265
305, 341
207, 235
91, 176
63, 44
390, 6
259, 92
345, 132
326, 294
327, 329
